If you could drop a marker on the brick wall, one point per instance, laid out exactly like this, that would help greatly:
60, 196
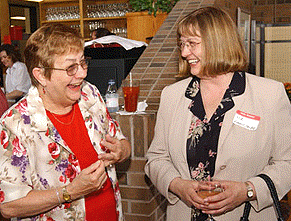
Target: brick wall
156, 68
270, 11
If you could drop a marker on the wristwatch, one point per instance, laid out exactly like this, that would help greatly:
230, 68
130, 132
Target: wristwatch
66, 195
250, 191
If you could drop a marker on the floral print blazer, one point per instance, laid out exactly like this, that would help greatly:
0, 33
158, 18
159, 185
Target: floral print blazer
34, 156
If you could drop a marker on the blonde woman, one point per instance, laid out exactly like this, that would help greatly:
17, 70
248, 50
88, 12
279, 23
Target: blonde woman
219, 123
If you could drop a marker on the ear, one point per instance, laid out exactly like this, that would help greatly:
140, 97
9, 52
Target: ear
38, 73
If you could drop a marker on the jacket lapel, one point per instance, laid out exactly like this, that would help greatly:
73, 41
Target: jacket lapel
228, 121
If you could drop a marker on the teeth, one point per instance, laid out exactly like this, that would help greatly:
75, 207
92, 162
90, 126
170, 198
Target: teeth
75, 85
194, 61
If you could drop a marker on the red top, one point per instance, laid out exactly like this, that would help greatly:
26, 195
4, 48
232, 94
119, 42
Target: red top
100, 205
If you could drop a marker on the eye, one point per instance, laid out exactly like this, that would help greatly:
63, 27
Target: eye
180, 44
193, 44
72, 68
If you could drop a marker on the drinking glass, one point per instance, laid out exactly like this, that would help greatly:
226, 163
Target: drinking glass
130, 89
204, 191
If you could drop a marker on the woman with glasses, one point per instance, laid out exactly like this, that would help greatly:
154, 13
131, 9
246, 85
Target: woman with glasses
59, 144
219, 124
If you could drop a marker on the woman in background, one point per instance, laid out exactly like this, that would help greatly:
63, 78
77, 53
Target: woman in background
17, 80
219, 123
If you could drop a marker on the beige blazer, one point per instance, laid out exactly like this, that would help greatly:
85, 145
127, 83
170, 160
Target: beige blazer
242, 153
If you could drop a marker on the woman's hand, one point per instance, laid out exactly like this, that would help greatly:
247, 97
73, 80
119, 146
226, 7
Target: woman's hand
234, 194
186, 191
116, 150
90, 179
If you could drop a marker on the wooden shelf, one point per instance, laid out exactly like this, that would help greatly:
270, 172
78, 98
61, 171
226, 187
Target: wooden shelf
105, 18
111, 22
58, 1
61, 21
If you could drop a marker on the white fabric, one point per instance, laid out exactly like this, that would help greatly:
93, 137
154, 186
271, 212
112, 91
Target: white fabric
124, 42
17, 78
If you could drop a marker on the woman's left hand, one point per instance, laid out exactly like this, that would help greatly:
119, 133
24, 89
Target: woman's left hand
116, 150
234, 194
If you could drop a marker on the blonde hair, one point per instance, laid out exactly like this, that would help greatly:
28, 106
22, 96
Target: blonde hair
222, 47
49, 42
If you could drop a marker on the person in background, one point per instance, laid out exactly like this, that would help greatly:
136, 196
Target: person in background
219, 124
100, 32
17, 80
3, 103
59, 145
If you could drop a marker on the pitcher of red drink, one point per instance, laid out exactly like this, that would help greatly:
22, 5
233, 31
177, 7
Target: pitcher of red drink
130, 88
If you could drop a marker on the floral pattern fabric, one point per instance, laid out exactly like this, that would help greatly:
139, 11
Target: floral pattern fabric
203, 134
34, 156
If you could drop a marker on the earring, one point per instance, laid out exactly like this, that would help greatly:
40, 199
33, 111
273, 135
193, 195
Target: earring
43, 90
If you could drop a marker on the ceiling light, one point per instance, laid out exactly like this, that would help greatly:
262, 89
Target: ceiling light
34, 0
18, 18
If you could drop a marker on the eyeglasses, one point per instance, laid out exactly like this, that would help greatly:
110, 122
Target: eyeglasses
191, 45
72, 70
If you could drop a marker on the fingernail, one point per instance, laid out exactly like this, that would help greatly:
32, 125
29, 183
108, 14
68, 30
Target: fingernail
102, 146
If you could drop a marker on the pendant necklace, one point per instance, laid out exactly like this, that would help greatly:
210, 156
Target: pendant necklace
65, 123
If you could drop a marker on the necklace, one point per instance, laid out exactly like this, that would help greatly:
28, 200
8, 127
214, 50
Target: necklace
65, 123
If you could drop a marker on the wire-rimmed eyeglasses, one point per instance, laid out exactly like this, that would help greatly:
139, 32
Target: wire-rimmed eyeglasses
191, 45
72, 69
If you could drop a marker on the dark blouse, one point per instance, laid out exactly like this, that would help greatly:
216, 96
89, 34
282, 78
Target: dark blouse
203, 135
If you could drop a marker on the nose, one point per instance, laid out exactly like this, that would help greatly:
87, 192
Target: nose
81, 72
185, 51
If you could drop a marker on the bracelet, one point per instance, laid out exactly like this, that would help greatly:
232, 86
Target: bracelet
58, 195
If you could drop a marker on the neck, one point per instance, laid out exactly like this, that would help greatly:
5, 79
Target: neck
54, 107
219, 81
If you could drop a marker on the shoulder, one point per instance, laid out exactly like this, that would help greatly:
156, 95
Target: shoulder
19, 66
90, 95
262, 84
174, 94
261, 81
90, 90
177, 88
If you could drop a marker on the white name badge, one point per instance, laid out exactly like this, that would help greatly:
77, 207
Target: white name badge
246, 120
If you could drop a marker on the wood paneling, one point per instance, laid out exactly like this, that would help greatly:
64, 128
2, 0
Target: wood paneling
4, 19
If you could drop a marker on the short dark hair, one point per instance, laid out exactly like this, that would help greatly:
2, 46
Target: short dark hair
101, 32
11, 52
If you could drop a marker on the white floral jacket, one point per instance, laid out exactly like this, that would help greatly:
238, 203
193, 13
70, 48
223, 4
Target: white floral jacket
34, 156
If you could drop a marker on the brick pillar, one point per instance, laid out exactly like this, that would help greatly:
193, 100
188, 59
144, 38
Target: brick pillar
140, 200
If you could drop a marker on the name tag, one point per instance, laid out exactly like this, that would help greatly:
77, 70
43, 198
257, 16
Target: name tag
246, 120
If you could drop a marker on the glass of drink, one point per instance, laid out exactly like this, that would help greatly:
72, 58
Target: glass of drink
130, 88
206, 191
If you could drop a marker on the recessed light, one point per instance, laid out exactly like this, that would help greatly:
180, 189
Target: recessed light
34, 0
18, 18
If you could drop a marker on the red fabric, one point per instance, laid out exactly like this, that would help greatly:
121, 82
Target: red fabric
3, 103
100, 205
110, 45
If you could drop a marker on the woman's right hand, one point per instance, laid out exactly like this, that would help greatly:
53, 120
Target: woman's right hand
186, 191
90, 179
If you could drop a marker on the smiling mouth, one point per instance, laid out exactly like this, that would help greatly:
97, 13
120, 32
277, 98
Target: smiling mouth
75, 85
